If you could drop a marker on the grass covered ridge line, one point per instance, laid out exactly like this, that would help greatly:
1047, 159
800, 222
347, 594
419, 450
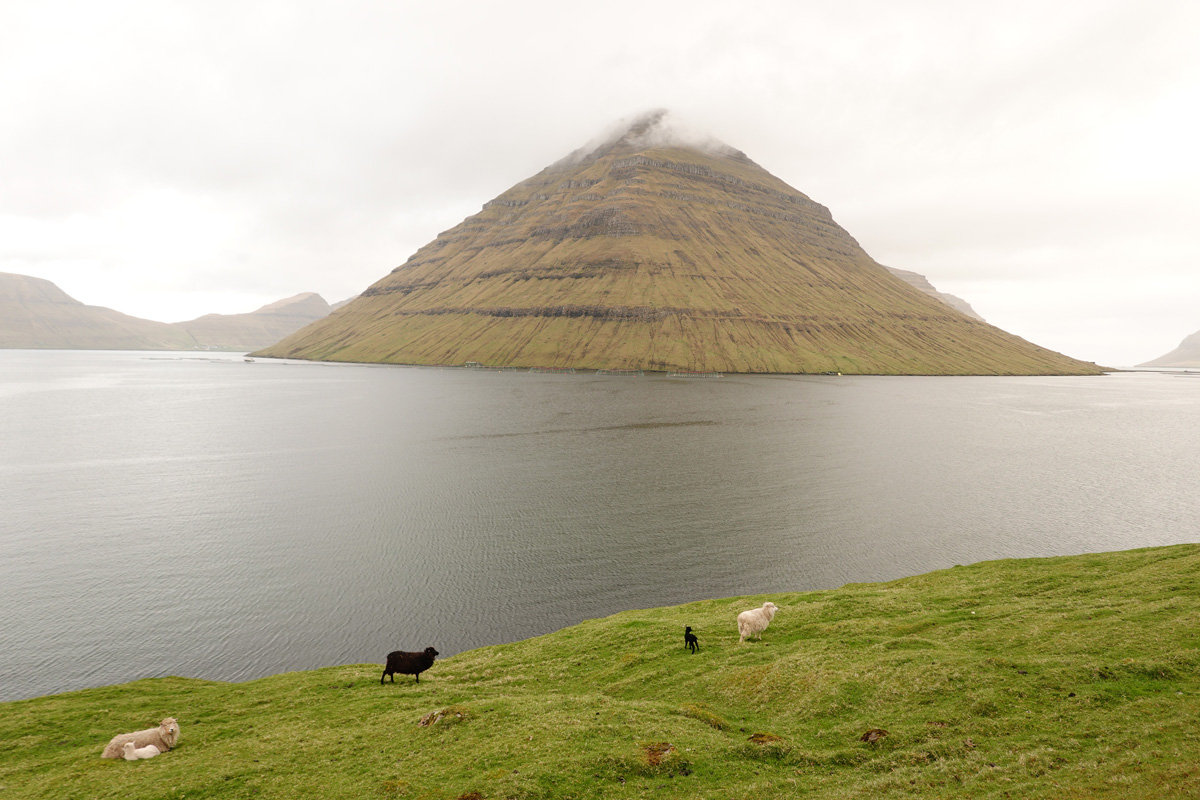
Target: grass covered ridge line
1071, 677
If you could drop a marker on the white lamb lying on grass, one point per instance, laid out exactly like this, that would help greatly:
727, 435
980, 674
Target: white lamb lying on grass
755, 621
133, 752
164, 737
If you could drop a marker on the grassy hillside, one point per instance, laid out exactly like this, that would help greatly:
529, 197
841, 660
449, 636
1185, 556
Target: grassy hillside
1045, 678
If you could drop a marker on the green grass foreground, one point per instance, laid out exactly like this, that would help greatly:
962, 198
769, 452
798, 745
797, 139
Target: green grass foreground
1073, 677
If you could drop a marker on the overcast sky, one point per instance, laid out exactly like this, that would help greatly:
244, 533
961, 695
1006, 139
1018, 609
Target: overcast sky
1038, 159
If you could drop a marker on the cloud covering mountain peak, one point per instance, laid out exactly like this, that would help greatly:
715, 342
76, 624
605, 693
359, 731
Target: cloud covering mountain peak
657, 128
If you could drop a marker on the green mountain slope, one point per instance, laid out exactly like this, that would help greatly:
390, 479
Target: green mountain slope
1074, 677
654, 250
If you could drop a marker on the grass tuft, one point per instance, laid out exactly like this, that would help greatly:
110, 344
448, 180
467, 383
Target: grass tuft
702, 713
447, 716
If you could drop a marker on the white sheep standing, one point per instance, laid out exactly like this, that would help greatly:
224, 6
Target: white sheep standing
755, 621
132, 752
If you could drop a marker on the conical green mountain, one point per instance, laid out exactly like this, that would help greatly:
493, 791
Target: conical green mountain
660, 250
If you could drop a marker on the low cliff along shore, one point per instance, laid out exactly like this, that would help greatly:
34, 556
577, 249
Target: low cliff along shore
1053, 677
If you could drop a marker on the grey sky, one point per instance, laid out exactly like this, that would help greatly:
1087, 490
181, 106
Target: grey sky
1038, 159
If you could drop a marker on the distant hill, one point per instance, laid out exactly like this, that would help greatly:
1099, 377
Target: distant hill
1186, 355
922, 283
258, 328
36, 314
660, 249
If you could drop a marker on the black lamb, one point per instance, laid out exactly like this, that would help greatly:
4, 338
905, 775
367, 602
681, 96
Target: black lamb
690, 642
408, 663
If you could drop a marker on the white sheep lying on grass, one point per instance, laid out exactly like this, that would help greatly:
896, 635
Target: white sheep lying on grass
133, 753
755, 621
163, 737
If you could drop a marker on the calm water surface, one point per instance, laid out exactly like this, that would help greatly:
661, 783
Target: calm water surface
185, 514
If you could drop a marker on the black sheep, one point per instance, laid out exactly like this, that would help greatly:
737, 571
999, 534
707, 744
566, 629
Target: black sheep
690, 642
408, 663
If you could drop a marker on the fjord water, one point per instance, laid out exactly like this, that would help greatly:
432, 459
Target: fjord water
198, 515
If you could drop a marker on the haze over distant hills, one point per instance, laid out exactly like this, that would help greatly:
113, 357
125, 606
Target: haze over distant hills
268, 324
1186, 355
922, 283
660, 248
36, 314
